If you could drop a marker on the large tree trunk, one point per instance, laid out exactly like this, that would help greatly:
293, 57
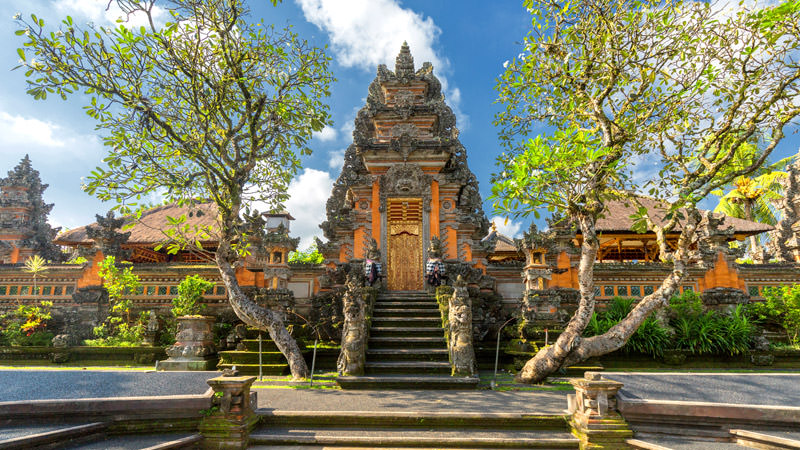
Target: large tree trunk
551, 358
257, 316
618, 335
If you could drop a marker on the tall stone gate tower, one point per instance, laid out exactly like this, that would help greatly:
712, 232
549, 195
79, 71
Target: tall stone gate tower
405, 181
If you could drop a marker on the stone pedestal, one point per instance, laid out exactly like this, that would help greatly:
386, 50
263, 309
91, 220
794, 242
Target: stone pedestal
232, 417
194, 345
595, 419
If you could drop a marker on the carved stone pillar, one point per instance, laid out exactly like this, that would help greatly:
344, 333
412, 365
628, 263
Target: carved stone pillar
462, 352
353, 354
232, 417
595, 419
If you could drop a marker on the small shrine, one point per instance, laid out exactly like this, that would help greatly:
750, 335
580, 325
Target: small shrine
405, 181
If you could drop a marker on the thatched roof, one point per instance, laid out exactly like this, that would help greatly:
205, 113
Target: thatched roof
148, 229
617, 218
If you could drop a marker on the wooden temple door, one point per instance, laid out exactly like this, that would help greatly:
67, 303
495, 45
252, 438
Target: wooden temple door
404, 244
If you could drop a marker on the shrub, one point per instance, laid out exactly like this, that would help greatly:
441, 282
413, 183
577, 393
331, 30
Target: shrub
119, 329
309, 256
190, 296
781, 307
688, 304
704, 333
650, 339
27, 325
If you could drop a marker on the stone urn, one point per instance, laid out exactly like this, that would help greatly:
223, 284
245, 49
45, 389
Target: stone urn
194, 345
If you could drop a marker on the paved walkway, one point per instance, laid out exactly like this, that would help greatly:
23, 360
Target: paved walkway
20, 385
738, 388
413, 400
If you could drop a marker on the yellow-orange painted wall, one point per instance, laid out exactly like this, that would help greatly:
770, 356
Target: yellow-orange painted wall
358, 242
343, 253
90, 276
566, 279
722, 275
467, 252
435, 208
246, 277
452, 242
376, 214
15, 255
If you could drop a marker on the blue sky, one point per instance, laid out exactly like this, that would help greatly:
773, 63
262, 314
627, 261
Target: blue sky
467, 41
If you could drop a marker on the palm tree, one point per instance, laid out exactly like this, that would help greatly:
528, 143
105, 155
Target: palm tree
35, 265
754, 198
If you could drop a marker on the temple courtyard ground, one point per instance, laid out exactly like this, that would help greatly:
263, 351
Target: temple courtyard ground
276, 397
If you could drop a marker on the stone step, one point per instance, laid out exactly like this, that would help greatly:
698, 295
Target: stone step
408, 342
252, 369
267, 345
419, 299
431, 382
54, 438
403, 332
393, 304
767, 439
410, 418
406, 321
246, 357
407, 367
413, 437
405, 312
407, 354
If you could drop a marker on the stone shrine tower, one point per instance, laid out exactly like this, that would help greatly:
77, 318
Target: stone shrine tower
405, 181
24, 230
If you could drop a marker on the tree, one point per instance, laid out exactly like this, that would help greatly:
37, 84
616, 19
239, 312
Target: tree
625, 83
754, 197
208, 106
36, 266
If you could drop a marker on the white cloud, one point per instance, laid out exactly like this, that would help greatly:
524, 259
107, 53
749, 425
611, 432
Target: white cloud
369, 32
327, 134
308, 194
336, 159
18, 131
510, 229
103, 12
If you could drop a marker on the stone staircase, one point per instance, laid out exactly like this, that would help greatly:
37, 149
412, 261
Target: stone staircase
410, 429
406, 347
246, 361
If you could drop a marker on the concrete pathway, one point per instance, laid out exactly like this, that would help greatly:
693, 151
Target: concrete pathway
553, 402
21, 385
738, 388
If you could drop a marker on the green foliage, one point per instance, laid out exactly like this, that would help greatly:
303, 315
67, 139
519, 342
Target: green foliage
708, 332
310, 256
190, 109
119, 328
77, 260
27, 325
651, 338
781, 307
190, 296
699, 332
688, 304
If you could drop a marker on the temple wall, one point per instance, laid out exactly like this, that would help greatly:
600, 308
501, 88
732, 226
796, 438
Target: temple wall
80, 302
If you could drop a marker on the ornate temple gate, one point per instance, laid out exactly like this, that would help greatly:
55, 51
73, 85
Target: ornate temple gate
404, 230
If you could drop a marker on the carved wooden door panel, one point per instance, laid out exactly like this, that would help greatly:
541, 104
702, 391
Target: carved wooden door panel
404, 259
